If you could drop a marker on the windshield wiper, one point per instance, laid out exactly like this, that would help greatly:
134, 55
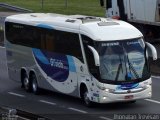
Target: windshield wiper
119, 67
105, 67
132, 68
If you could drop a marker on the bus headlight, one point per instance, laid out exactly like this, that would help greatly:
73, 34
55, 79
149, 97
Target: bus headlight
101, 87
107, 90
147, 86
110, 90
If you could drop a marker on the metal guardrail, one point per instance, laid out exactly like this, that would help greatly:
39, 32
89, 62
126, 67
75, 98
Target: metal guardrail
1, 38
15, 8
3, 15
2, 19
7, 113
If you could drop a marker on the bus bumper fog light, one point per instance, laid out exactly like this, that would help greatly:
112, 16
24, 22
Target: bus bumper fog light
104, 98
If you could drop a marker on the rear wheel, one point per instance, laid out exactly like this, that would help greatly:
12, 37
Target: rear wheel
26, 82
34, 85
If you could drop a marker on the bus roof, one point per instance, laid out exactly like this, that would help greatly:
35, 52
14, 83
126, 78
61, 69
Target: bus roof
97, 28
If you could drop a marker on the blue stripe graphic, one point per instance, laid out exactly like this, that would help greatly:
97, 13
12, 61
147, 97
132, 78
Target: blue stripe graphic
40, 56
54, 65
45, 26
71, 63
127, 86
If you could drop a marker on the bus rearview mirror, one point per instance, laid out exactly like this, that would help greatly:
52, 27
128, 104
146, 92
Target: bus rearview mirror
96, 55
151, 50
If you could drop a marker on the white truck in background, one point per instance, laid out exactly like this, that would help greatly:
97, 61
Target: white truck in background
143, 14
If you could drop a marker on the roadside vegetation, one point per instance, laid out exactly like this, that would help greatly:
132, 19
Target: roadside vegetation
84, 7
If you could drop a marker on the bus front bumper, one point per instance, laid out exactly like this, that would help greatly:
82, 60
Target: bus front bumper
107, 97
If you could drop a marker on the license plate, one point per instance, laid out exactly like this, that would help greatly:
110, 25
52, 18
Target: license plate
128, 97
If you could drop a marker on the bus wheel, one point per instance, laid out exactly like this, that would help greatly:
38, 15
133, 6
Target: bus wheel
26, 83
86, 99
34, 85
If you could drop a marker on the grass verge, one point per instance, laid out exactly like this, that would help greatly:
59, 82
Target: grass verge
84, 7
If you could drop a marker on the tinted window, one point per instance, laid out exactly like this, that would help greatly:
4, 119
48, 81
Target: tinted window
69, 43
42, 38
89, 56
22, 34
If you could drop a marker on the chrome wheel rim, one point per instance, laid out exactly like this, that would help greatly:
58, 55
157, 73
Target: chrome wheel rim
26, 83
86, 98
34, 86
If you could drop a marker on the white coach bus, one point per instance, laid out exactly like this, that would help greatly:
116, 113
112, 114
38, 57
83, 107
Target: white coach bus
97, 59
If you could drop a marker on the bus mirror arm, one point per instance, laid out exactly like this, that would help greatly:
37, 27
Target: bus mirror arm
96, 55
151, 51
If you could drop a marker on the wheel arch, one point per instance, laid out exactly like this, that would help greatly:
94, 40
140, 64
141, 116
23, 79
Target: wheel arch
32, 72
23, 71
82, 89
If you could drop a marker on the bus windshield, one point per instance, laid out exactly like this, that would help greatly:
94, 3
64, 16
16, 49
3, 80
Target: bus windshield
123, 61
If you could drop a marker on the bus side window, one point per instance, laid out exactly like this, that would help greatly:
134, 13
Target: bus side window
42, 40
47, 39
61, 42
50, 41
20, 34
69, 44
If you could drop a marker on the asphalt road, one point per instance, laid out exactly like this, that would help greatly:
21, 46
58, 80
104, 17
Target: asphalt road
61, 107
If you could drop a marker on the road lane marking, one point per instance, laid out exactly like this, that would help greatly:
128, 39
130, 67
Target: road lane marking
154, 101
105, 118
2, 47
22, 118
16, 94
47, 102
77, 110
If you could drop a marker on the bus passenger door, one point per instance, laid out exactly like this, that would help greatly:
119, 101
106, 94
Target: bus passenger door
90, 70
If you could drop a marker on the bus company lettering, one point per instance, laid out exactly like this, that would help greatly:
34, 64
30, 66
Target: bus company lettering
57, 63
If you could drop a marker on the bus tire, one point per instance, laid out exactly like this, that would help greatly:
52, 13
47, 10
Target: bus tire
86, 99
26, 82
34, 85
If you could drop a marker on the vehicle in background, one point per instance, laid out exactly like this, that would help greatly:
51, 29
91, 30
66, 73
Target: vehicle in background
143, 14
97, 59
